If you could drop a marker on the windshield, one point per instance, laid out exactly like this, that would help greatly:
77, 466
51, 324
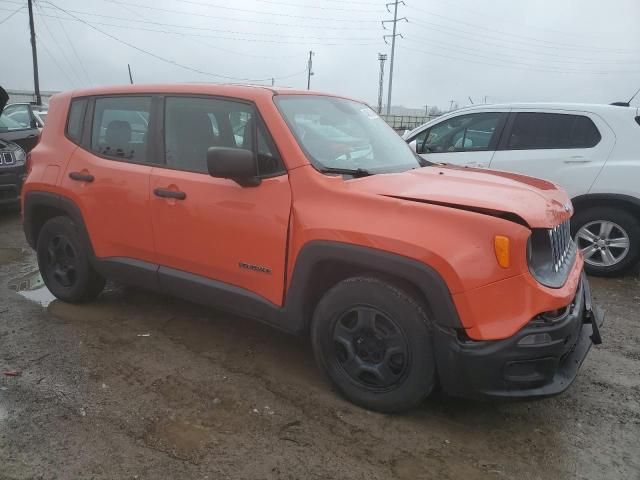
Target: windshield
336, 133
7, 123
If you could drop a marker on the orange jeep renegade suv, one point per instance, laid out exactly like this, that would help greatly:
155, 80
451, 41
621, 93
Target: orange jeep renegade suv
308, 212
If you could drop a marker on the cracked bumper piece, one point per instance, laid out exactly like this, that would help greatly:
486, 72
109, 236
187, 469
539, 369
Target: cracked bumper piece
541, 359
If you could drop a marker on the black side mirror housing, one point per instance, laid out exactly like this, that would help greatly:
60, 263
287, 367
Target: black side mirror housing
236, 164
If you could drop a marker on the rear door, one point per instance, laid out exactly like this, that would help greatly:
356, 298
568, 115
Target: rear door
108, 177
466, 139
566, 147
213, 228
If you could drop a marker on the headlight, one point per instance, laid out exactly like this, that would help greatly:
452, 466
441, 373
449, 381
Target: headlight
20, 156
551, 254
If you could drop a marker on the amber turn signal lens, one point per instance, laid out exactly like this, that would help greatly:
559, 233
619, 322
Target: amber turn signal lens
501, 246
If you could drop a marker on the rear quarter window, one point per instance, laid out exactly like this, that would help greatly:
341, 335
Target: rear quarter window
537, 131
76, 119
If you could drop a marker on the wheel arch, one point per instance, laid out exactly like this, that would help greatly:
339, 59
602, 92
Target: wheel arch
41, 206
322, 264
624, 202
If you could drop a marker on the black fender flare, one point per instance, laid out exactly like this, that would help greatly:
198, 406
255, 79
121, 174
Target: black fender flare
371, 261
33, 201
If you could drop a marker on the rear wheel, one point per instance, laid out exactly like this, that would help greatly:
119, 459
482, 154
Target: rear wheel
64, 262
609, 239
373, 341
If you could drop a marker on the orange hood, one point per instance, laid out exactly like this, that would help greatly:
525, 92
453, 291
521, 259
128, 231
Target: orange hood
539, 203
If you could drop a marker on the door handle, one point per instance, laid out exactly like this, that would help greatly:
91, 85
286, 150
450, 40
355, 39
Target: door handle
81, 177
166, 193
577, 160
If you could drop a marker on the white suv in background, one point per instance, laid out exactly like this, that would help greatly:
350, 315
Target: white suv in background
593, 151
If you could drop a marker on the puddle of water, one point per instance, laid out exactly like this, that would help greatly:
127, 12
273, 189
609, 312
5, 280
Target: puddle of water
31, 286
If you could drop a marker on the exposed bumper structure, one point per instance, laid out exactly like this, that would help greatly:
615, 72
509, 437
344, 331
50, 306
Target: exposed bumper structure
541, 359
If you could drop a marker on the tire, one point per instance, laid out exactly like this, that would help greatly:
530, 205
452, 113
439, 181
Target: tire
63, 259
601, 257
358, 331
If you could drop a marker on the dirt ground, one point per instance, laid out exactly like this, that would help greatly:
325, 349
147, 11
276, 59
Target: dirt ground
142, 386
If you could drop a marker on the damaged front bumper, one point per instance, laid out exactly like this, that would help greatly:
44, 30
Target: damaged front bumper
541, 359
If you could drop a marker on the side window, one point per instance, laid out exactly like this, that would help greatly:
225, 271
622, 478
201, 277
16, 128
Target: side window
76, 119
16, 117
120, 127
536, 131
465, 133
192, 125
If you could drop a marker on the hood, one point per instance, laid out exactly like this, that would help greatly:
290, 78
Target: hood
535, 202
4, 98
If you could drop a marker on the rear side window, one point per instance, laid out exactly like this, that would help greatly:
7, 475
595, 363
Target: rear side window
533, 131
76, 119
120, 128
192, 125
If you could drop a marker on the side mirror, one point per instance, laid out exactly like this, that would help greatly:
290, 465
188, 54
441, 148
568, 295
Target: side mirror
236, 164
414, 145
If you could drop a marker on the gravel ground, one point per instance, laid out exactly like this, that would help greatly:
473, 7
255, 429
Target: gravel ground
137, 385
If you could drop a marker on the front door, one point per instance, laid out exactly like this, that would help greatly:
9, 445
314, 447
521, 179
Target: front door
568, 148
214, 228
466, 140
108, 176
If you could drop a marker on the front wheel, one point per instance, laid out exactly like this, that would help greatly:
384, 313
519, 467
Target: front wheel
373, 342
609, 240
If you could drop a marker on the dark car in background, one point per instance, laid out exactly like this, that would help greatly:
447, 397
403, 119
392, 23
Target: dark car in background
19, 124
12, 155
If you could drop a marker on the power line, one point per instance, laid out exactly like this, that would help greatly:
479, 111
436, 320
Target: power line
275, 2
75, 52
61, 50
165, 60
513, 65
474, 36
243, 10
255, 40
53, 58
216, 17
215, 47
11, 14
550, 44
508, 58
555, 58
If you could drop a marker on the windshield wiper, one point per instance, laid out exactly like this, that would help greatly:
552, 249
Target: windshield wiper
354, 172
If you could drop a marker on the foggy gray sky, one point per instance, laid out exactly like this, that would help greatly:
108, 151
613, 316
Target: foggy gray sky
508, 50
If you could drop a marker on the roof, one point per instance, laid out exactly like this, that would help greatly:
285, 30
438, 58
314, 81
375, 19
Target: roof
250, 92
594, 107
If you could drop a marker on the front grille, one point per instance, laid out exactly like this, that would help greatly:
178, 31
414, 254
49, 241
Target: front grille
561, 245
6, 158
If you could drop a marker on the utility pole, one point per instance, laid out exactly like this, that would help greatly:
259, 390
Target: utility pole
382, 57
426, 110
309, 69
451, 105
393, 45
130, 76
34, 54
273, 81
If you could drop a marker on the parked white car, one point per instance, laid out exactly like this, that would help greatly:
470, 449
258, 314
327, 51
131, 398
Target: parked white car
593, 151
